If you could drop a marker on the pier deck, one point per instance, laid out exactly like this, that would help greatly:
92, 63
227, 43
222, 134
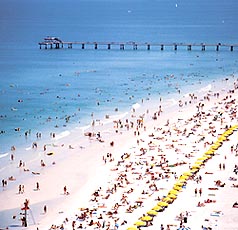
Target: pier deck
56, 43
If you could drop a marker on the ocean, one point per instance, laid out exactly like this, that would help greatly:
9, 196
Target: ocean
45, 91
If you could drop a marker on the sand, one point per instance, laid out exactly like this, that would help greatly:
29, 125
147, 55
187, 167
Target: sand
129, 175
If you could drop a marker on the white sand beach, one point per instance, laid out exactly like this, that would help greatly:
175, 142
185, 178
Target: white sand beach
121, 172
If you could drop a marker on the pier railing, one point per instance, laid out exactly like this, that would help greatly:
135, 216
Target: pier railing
56, 43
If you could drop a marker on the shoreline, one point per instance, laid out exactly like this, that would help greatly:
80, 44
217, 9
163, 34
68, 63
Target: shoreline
79, 154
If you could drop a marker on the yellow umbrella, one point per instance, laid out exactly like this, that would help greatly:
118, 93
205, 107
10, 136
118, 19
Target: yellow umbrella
204, 158
146, 218
199, 163
179, 184
173, 191
140, 223
215, 147
158, 208
208, 156
196, 166
184, 177
132, 228
233, 127
224, 135
163, 204
187, 173
209, 152
173, 196
152, 212
194, 170
182, 180
168, 200
178, 188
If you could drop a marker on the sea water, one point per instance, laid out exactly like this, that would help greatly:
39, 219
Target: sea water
56, 91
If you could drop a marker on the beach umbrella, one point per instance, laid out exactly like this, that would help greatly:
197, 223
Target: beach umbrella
178, 188
182, 180
168, 200
196, 166
146, 218
208, 156
199, 162
152, 212
233, 127
179, 184
184, 177
173, 191
163, 204
158, 208
172, 196
204, 158
188, 173
215, 147
224, 136
140, 223
132, 228
209, 152
194, 170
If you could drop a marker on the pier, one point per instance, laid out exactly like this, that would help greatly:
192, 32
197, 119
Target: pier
56, 43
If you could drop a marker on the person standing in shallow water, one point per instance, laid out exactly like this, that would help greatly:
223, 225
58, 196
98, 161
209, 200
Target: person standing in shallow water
45, 209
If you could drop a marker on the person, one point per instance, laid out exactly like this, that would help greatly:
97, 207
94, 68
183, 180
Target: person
200, 191
196, 191
73, 224
45, 209
65, 191
37, 186
235, 205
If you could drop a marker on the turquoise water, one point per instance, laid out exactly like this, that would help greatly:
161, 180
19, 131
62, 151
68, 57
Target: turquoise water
39, 89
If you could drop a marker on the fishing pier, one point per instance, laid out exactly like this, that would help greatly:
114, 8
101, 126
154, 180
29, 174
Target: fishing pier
56, 43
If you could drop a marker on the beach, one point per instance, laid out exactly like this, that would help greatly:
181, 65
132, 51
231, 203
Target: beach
101, 135
121, 170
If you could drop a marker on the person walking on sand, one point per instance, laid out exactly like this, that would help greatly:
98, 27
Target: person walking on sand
224, 166
65, 191
196, 191
19, 189
200, 191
